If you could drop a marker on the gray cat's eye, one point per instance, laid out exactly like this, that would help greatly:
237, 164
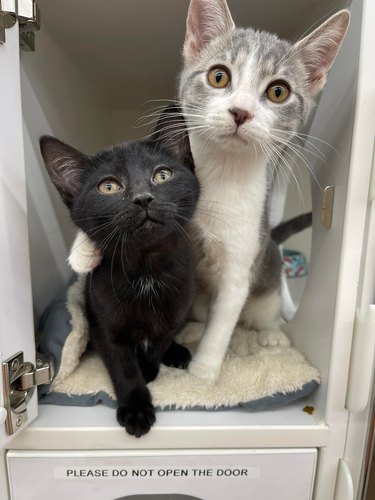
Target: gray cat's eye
278, 91
219, 77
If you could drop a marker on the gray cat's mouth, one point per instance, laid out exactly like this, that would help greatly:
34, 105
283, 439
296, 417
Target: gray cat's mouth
234, 136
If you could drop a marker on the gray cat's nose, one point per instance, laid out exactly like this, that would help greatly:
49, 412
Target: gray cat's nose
240, 115
143, 199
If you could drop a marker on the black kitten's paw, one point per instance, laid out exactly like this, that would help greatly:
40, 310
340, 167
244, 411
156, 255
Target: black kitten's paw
138, 415
177, 356
149, 370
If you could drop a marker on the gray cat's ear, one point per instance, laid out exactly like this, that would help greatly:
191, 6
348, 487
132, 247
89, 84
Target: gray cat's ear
64, 165
171, 134
319, 49
206, 20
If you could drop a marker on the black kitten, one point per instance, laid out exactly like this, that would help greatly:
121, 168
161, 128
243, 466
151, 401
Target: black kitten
133, 201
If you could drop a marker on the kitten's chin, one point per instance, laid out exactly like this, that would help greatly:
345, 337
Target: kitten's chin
235, 142
231, 139
150, 229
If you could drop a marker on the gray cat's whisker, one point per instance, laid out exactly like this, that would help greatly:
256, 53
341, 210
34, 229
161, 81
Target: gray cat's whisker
304, 141
273, 162
279, 162
281, 157
293, 147
168, 101
303, 138
170, 135
305, 147
301, 157
155, 117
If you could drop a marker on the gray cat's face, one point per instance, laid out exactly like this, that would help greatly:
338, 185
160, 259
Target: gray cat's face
245, 87
241, 87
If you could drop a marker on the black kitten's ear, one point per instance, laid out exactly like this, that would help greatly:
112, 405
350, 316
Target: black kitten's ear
171, 134
65, 166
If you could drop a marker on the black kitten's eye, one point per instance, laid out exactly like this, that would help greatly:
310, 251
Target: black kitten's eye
162, 175
219, 77
278, 91
109, 186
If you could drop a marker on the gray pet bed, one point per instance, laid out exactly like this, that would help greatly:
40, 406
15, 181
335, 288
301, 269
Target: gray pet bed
252, 376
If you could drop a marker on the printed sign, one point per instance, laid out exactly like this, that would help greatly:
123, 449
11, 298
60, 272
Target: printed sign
100, 472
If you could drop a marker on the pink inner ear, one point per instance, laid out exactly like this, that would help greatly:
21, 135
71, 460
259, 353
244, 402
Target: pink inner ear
206, 20
319, 49
194, 40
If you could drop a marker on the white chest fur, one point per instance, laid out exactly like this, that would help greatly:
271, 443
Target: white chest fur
230, 209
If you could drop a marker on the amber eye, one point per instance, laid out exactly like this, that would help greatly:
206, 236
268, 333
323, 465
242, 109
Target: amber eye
109, 186
162, 175
219, 77
278, 92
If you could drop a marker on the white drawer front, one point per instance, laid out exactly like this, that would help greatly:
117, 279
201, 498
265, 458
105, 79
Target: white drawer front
204, 475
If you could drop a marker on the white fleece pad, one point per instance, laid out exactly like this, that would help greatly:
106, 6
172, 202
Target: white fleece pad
250, 372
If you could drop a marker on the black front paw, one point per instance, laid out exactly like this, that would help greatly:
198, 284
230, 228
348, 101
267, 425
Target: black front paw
177, 356
137, 415
149, 370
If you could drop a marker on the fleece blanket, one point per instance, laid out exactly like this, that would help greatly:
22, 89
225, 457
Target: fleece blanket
252, 376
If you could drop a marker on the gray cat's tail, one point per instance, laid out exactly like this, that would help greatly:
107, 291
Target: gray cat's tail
286, 229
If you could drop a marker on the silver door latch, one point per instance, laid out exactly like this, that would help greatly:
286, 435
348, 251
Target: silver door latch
20, 378
28, 15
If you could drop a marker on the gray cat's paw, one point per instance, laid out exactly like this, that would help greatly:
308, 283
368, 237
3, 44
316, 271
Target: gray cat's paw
84, 256
273, 338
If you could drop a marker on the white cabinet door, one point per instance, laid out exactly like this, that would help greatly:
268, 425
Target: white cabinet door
196, 475
16, 314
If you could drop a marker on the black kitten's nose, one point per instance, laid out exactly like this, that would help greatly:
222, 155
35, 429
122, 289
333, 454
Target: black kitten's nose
143, 199
240, 115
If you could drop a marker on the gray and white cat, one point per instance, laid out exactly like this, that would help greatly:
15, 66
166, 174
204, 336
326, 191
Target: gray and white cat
244, 94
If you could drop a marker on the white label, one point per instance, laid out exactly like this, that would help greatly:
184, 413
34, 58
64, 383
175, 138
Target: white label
113, 472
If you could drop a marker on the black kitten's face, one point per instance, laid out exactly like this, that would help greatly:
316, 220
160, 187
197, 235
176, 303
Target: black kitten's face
134, 194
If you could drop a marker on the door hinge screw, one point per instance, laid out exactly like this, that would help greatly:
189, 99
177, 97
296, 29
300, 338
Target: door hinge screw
15, 365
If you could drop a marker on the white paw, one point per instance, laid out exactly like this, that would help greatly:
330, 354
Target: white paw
273, 338
84, 256
204, 371
84, 263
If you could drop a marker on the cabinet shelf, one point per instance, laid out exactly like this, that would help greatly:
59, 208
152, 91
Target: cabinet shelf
73, 428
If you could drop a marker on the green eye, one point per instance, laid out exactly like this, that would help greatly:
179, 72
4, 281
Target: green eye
162, 175
109, 186
278, 91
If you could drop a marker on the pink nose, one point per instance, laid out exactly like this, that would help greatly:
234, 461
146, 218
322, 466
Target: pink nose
240, 115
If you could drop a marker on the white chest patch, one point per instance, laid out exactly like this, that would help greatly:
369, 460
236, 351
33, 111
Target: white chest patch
146, 285
230, 210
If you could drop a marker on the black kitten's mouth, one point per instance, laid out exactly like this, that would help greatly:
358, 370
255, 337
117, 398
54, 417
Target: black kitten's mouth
148, 220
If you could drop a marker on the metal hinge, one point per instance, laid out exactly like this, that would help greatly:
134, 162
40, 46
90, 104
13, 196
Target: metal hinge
20, 378
28, 15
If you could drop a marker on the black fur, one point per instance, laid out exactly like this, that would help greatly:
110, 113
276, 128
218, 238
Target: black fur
139, 296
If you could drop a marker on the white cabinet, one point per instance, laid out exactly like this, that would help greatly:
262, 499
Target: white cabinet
85, 84
209, 475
